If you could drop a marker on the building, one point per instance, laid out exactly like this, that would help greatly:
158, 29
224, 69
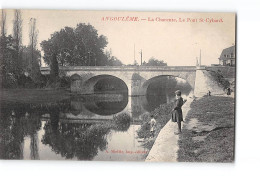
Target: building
228, 57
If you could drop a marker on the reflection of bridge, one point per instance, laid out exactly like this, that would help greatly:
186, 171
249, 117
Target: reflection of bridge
136, 79
89, 121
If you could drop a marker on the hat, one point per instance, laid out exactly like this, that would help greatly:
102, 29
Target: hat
178, 92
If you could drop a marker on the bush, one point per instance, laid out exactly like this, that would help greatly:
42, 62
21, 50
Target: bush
9, 81
122, 121
65, 82
220, 79
61, 82
162, 114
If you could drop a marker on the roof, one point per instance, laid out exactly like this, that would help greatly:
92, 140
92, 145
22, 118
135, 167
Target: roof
227, 52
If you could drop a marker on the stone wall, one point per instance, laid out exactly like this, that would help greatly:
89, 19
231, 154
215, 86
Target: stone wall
205, 83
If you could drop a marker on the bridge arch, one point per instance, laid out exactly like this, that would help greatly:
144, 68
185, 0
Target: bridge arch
104, 82
173, 83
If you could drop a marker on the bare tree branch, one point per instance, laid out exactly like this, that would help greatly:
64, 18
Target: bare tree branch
3, 23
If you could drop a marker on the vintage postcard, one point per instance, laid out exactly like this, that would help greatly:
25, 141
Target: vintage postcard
117, 86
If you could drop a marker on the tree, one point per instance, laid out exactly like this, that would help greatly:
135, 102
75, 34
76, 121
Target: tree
10, 51
34, 68
154, 62
17, 28
3, 44
28, 65
112, 60
50, 55
80, 46
54, 66
3, 23
8, 64
17, 36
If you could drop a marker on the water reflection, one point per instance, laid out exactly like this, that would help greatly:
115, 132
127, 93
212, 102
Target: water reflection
100, 104
15, 124
21, 124
79, 128
76, 140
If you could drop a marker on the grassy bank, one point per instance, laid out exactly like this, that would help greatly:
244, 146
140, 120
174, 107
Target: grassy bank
208, 132
33, 95
219, 78
162, 115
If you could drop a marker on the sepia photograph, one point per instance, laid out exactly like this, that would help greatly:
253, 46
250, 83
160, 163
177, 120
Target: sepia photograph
143, 86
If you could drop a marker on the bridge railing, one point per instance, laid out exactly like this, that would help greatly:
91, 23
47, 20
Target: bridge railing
123, 68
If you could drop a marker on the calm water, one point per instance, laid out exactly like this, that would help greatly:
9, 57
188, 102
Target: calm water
79, 128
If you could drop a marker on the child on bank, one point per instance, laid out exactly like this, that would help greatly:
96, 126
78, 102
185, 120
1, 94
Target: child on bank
152, 126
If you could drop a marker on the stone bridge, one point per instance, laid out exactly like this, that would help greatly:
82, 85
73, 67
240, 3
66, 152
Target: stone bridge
135, 78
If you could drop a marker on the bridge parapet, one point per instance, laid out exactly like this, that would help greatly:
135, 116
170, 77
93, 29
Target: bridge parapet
122, 68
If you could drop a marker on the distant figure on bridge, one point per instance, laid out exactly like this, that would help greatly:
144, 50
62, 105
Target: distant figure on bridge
228, 91
152, 126
209, 93
177, 111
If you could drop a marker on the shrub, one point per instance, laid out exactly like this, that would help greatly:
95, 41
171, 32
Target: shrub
122, 121
217, 76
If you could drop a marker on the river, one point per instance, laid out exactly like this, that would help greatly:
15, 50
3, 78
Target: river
79, 128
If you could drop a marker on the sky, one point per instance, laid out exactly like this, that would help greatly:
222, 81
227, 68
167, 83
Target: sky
177, 41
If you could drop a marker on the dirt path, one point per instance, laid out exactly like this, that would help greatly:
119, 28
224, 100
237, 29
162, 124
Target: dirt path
166, 146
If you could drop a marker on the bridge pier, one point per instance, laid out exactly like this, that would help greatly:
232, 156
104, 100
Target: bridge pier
128, 83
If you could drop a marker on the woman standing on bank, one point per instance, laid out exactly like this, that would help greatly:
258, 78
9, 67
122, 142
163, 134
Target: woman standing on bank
177, 111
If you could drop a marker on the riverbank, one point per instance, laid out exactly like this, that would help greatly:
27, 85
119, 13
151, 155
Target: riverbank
33, 95
208, 133
165, 147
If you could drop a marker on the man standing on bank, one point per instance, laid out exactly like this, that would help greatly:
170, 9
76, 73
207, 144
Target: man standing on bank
177, 111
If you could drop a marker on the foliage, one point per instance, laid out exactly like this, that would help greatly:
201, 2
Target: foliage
59, 82
112, 60
220, 79
75, 46
35, 55
162, 114
34, 96
17, 37
154, 62
13, 75
27, 63
18, 61
8, 62
3, 22
17, 28
31, 65
122, 121
54, 66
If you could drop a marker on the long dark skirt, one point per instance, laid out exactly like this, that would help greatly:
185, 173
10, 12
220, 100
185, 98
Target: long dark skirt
177, 116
